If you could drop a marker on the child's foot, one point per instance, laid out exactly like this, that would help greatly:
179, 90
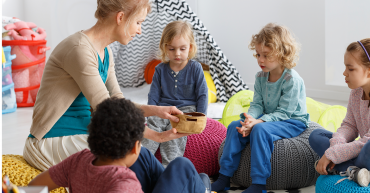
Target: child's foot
361, 176
222, 183
255, 188
206, 182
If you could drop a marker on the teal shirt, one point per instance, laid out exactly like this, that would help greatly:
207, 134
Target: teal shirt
281, 100
77, 117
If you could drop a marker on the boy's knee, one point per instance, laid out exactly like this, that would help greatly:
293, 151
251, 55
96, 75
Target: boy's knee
234, 124
180, 162
367, 148
315, 134
258, 129
312, 137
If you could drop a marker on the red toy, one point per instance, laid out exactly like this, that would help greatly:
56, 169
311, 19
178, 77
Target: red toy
149, 70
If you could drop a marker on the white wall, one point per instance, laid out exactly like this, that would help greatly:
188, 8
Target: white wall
346, 22
60, 18
13, 8
232, 24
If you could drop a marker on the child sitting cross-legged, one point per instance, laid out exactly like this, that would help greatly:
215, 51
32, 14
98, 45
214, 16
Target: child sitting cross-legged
340, 153
115, 135
177, 81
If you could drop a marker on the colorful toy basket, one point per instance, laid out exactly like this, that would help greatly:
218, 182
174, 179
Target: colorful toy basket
8, 96
27, 68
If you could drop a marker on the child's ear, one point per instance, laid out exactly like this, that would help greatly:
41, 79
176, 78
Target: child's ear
136, 149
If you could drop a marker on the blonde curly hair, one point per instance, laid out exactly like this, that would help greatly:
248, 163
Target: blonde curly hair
280, 41
182, 28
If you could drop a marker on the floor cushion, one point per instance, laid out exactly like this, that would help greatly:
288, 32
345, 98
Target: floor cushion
292, 163
202, 149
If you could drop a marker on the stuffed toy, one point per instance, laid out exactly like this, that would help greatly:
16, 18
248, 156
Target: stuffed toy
22, 31
25, 31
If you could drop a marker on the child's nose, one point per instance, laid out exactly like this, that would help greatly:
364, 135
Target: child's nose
260, 60
345, 73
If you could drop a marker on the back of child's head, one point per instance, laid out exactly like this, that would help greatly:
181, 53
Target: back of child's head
173, 29
362, 48
116, 125
281, 42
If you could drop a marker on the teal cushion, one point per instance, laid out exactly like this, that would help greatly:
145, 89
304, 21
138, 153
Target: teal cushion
325, 183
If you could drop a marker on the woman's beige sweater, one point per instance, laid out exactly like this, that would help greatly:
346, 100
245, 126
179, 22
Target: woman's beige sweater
71, 68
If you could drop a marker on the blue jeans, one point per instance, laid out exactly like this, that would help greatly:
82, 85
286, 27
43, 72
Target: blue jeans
261, 141
179, 176
319, 141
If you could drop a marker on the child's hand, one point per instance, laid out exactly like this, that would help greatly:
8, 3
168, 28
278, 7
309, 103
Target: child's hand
244, 130
323, 163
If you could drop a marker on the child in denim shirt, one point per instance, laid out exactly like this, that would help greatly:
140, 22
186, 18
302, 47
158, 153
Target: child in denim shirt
177, 81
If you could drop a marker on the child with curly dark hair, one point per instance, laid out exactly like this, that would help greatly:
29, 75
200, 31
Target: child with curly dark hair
111, 165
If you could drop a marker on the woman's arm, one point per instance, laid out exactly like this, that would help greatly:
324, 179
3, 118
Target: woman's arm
82, 65
112, 83
44, 179
163, 136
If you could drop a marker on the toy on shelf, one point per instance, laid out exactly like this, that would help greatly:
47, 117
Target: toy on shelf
8, 187
8, 95
23, 31
27, 68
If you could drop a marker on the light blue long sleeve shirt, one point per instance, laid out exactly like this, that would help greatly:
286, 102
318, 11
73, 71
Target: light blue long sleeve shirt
281, 100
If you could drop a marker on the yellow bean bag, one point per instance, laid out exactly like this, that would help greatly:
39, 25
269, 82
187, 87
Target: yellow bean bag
238, 103
20, 173
212, 92
330, 117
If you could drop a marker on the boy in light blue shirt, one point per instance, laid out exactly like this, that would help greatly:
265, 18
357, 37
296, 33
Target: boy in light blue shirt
278, 109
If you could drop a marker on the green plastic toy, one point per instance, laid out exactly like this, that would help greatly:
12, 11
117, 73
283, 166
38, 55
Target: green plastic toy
237, 104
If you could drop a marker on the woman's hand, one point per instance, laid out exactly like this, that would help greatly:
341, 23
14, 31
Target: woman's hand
167, 112
163, 136
170, 135
323, 164
164, 112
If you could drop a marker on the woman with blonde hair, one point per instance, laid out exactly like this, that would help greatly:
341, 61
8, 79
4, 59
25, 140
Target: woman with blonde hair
79, 74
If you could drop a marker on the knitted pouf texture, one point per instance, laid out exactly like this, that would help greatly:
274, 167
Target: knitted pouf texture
202, 149
20, 173
292, 163
326, 183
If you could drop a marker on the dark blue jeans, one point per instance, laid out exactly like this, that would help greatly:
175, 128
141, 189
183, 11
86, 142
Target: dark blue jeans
319, 141
179, 176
